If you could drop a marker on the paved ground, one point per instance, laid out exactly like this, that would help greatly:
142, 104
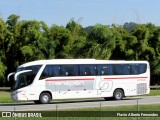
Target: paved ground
79, 104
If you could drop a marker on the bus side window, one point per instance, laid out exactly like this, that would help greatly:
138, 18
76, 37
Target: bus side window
93, 69
75, 70
142, 68
101, 69
56, 70
138, 68
126, 69
47, 72
63, 70
88, 70
134, 69
105, 69
122, 69
69, 70
50, 71
82, 70
109, 70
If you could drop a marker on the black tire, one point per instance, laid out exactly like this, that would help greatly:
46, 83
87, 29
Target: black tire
45, 98
118, 94
37, 101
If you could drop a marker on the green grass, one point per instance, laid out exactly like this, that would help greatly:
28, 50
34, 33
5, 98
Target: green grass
132, 108
154, 93
5, 97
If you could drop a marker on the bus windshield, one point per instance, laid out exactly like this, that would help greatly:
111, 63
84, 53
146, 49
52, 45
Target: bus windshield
25, 78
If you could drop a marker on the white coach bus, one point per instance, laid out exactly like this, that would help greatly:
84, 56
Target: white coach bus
43, 80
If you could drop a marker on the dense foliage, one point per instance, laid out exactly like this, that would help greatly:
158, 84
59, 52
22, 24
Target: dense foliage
24, 41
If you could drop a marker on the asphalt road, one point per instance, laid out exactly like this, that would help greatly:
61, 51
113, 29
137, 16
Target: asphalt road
79, 104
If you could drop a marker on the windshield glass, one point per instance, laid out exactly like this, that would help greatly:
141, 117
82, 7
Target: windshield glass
26, 78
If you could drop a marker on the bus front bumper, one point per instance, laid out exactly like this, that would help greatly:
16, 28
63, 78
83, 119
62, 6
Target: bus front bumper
19, 95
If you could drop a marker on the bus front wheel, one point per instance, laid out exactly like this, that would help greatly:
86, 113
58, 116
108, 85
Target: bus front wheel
45, 98
118, 94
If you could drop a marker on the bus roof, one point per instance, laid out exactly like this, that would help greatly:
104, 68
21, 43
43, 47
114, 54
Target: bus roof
78, 61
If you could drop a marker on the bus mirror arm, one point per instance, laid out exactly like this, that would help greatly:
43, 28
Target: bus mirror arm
24, 71
10, 75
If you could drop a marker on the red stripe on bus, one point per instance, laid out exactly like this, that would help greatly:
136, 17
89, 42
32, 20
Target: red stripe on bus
126, 78
70, 79
94, 79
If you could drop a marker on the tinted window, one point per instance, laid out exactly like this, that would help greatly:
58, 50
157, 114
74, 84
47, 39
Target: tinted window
122, 69
50, 71
142, 68
92, 70
87, 70
59, 70
105, 69
134, 69
138, 68
69, 70
25, 79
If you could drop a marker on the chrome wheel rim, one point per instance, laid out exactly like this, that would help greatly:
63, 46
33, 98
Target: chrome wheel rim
118, 95
45, 98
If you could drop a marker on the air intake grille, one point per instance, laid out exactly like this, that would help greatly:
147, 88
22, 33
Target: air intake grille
141, 88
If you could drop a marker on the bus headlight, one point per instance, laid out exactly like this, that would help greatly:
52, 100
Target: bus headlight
22, 92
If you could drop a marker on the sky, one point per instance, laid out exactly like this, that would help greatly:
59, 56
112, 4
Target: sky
85, 12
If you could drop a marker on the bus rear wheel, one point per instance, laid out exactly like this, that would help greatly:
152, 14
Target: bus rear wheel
45, 98
118, 94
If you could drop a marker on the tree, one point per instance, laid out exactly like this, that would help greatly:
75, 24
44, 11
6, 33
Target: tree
76, 44
33, 41
101, 42
154, 42
3, 34
24, 41
12, 40
155, 71
125, 44
143, 49
2, 74
60, 36
3, 68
